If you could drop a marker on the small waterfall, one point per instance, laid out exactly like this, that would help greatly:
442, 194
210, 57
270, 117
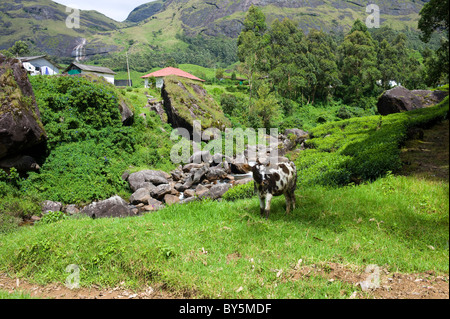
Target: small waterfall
79, 51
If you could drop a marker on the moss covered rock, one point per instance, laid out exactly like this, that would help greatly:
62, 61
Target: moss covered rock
186, 101
20, 123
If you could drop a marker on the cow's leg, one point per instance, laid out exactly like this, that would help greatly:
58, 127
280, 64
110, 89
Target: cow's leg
290, 201
262, 203
288, 198
268, 200
292, 198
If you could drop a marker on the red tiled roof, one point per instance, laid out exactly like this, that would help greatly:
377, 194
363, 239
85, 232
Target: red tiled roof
172, 71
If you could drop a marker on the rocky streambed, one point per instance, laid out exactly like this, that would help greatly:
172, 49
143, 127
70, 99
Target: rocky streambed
205, 176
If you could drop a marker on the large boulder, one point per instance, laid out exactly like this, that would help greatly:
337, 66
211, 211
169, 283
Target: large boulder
216, 191
400, 99
111, 207
20, 120
185, 101
126, 113
142, 178
23, 163
429, 98
396, 100
50, 206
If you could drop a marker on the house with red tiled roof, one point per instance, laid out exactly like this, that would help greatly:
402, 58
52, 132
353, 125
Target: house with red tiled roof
159, 76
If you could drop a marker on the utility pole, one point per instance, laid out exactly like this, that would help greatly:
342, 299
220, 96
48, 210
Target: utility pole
128, 68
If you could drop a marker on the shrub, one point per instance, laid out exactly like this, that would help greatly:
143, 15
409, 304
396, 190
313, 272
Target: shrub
240, 192
52, 217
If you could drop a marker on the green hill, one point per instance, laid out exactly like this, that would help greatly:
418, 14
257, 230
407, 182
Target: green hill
42, 23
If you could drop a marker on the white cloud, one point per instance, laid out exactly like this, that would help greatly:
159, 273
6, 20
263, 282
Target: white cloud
115, 9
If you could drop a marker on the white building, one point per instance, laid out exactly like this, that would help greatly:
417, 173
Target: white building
78, 68
39, 65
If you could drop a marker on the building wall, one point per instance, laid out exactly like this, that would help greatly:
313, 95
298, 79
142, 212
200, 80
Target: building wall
40, 63
108, 77
159, 83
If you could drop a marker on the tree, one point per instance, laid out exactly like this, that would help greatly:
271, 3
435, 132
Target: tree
288, 61
358, 64
321, 48
265, 107
20, 48
434, 16
220, 73
251, 44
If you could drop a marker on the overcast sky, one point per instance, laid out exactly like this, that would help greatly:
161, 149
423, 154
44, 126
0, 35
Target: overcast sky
115, 9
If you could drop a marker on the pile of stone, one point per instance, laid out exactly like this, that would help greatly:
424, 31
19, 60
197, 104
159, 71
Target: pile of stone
205, 176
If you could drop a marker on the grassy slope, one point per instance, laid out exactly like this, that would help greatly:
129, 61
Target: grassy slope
214, 248
23, 27
211, 249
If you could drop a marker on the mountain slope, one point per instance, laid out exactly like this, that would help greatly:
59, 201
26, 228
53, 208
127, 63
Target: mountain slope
157, 25
43, 24
225, 17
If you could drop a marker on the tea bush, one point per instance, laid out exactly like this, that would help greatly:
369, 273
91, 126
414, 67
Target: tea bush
360, 149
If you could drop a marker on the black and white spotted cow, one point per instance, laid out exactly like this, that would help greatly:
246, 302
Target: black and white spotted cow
275, 180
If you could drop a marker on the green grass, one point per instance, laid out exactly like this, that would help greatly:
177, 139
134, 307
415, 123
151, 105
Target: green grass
15, 295
392, 222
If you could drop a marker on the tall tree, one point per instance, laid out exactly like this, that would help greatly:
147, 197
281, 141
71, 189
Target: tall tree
359, 71
321, 48
288, 63
251, 45
434, 16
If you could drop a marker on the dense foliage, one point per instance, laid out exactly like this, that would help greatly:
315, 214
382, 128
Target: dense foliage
88, 147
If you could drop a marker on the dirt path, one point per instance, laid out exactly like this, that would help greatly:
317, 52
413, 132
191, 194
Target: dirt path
379, 283
60, 291
428, 156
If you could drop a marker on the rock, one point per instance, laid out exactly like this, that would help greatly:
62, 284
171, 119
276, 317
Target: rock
201, 190
299, 134
20, 162
396, 100
214, 174
126, 113
199, 174
429, 98
159, 109
171, 199
71, 209
50, 206
111, 207
20, 120
216, 191
35, 218
200, 157
137, 179
125, 175
187, 184
189, 193
217, 158
240, 168
188, 167
185, 101
243, 181
188, 200
179, 187
142, 195
177, 174
159, 191
153, 205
